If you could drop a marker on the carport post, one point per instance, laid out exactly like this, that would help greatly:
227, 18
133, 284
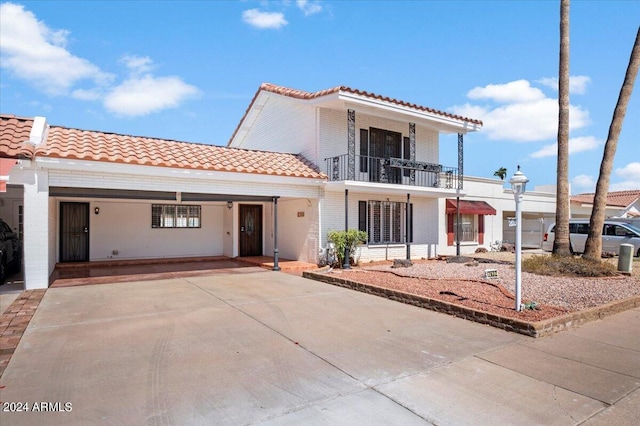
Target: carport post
275, 234
458, 226
407, 235
346, 264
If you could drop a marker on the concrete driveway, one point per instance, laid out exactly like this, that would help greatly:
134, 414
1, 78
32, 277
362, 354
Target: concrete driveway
271, 348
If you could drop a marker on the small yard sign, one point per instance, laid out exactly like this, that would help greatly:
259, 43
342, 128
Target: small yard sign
491, 273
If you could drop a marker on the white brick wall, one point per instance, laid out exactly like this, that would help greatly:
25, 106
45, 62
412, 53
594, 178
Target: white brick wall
425, 231
36, 232
283, 125
332, 135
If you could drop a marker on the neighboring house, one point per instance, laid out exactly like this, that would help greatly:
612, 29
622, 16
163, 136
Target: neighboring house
622, 204
538, 210
298, 165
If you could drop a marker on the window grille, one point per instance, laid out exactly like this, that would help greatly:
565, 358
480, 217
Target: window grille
175, 216
385, 221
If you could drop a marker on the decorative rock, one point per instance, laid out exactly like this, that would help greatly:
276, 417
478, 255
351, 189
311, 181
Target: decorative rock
401, 263
511, 248
459, 259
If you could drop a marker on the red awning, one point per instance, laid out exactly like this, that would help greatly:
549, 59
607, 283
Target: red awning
470, 207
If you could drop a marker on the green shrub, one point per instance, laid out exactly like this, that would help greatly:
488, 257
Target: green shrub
341, 239
567, 266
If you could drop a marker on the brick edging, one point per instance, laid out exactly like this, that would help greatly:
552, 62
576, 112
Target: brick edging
532, 329
14, 321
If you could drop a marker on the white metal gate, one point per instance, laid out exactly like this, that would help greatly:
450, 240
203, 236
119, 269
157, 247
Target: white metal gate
532, 232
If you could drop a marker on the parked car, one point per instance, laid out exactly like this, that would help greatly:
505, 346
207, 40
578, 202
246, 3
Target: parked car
10, 251
614, 233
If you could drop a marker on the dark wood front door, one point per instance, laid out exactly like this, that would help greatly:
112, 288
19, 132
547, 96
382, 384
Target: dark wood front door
74, 232
250, 230
383, 145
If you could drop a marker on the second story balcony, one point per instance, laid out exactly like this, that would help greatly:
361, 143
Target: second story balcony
391, 171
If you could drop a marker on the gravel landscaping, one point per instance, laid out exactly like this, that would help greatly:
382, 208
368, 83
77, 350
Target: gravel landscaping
466, 285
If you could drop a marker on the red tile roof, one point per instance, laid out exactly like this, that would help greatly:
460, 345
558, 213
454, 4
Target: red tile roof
62, 142
616, 198
301, 94
14, 131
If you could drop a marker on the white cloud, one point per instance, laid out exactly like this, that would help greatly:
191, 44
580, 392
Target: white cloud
309, 8
87, 94
583, 143
523, 112
577, 84
264, 20
579, 144
630, 171
627, 185
583, 183
138, 64
468, 110
631, 175
142, 95
31, 51
513, 92
546, 151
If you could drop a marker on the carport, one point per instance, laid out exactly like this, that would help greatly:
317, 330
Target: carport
92, 196
111, 225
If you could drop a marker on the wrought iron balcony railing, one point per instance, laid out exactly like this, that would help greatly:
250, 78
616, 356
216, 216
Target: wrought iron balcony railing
391, 170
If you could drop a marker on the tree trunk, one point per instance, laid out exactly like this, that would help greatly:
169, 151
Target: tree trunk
561, 245
593, 248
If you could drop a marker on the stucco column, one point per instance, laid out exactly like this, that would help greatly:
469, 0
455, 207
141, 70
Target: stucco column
39, 254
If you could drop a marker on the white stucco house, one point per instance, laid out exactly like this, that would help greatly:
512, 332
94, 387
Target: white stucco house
298, 165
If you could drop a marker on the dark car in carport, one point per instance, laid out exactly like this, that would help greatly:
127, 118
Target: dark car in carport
10, 251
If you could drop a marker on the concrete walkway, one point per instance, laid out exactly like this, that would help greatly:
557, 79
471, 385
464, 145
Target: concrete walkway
272, 348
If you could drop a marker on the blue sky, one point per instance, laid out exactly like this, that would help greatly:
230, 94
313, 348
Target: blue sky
187, 70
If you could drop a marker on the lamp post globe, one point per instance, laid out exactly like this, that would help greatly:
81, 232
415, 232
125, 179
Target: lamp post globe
518, 185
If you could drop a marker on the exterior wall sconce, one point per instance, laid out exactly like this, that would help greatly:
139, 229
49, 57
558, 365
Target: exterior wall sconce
229, 205
96, 210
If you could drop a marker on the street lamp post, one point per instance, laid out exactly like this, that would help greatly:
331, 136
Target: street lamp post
518, 186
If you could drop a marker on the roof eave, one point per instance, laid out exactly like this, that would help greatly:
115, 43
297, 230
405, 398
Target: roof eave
98, 166
441, 122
